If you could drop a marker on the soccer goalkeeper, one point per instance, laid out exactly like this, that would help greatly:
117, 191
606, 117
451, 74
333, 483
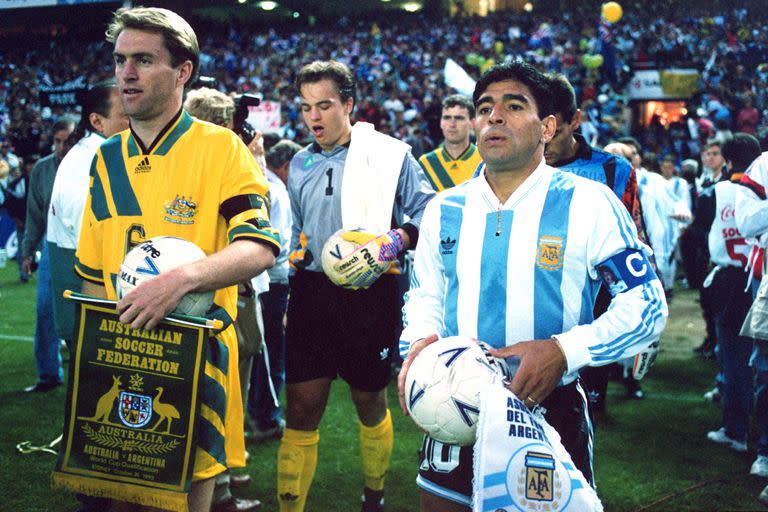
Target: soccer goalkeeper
332, 330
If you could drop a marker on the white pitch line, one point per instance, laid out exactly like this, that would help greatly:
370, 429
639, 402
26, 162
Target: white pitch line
16, 338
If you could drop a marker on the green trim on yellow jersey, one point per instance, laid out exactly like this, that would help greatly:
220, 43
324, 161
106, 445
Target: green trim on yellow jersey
125, 200
88, 273
184, 123
443, 171
98, 196
133, 148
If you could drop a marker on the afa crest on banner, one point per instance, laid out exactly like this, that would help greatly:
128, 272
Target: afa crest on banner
132, 407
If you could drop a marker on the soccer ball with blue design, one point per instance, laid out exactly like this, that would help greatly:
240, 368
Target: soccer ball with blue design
443, 384
160, 254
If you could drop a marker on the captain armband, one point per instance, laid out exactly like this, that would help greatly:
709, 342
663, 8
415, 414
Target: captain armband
625, 270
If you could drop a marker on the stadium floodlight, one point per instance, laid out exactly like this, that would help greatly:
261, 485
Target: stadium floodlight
241, 1
268, 5
411, 6
528, 7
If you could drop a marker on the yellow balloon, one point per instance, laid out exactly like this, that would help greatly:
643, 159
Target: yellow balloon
612, 12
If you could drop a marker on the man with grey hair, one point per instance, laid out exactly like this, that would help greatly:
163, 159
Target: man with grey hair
47, 345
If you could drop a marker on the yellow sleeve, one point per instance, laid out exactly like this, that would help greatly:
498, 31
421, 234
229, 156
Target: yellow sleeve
244, 206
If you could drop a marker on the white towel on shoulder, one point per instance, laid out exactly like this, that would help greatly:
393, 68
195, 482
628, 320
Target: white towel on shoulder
370, 179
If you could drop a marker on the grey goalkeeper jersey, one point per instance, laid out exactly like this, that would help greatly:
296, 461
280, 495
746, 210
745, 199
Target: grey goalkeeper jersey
314, 187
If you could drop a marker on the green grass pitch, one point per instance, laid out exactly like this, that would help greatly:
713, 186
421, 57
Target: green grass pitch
650, 454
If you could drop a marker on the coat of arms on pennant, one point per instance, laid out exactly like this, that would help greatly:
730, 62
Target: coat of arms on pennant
132, 407
135, 409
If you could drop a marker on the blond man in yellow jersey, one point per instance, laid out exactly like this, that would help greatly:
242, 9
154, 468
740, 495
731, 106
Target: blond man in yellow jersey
170, 174
457, 159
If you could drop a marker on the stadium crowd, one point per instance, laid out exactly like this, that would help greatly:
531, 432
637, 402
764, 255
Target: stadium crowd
401, 88
400, 71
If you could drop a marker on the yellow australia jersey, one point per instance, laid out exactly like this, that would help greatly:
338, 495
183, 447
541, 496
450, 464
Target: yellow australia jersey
443, 171
198, 182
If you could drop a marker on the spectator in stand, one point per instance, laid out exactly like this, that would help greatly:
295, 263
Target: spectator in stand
748, 117
407, 60
418, 141
50, 374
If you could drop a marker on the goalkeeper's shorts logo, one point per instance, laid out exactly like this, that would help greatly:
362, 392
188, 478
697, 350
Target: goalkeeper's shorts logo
549, 255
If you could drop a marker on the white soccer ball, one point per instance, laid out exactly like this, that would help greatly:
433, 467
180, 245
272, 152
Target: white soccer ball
345, 265
443, 384
157, 255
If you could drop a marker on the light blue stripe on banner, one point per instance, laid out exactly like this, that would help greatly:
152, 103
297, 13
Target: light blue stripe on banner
576, 484
492, 310
494, 479
540, 463
450, 228
547, 277
499, 502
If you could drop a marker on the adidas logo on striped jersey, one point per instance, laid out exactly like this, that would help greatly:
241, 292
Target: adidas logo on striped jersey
447, 245
143, 165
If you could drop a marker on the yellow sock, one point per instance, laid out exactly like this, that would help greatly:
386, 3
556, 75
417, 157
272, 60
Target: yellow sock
296, 463
375, 450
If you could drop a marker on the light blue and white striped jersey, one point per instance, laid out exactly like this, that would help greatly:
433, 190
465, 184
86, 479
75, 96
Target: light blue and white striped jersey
526, 270
314, 187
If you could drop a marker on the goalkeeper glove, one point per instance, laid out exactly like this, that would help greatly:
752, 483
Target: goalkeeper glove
388, 244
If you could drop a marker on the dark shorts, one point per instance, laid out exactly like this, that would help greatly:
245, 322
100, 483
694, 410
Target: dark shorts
446, 470
333, 332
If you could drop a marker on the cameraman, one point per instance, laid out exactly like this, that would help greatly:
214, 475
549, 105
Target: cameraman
216, 107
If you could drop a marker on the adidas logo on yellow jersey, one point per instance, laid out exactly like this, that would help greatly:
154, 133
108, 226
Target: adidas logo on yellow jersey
143, 165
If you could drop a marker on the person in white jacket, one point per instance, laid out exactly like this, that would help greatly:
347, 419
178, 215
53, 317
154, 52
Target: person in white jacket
752, 221
102, 116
